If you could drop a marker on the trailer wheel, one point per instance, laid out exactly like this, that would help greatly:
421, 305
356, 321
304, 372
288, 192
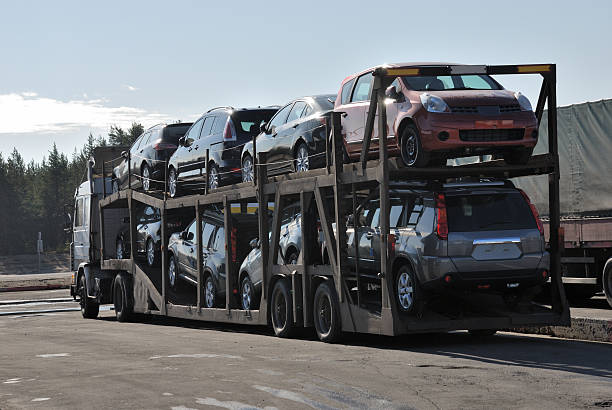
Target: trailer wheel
281, 309
122, 300
607, 283
326, 314
89, 308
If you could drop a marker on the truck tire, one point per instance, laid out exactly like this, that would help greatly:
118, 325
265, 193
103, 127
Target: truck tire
89, 307
327, 318
281, 309
607, 282
122, 298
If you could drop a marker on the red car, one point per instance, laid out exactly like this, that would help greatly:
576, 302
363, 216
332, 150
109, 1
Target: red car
433, 118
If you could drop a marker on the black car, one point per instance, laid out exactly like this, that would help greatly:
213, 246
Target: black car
223, 131
147, 156
294, 140
148, 236
182, 250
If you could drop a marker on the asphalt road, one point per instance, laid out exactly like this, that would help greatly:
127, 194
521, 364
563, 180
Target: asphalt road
59, 360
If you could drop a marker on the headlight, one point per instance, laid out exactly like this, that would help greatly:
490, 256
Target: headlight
433, 103
523, 102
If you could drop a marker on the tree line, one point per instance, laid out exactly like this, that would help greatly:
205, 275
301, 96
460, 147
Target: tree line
36, 196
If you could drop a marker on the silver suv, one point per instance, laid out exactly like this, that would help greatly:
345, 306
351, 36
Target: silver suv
481, 236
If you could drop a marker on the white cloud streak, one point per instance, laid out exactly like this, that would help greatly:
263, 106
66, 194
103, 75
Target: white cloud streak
130, 87
29, 113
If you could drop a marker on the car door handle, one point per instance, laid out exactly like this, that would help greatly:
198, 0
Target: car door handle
295, 125
196, 147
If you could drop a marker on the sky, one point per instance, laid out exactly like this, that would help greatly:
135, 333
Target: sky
68, 68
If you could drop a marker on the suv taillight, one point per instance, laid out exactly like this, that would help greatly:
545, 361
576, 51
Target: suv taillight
442, 218
534, 211
159, 146
229, 134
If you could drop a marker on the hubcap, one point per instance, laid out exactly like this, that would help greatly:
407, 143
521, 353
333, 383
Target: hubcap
246, 295
247, 170
150, 252
213, 179
302, 160
410, 149
293, 259
405, 290
146, 183
324, 311
210, 294
171, 272
172, 183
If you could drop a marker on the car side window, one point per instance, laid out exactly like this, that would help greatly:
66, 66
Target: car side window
362, 88
78, 213
296, 111
192, 230
219, 242
346, 91
207, 231
219, 124
137, 143
280, 117
307, 111
194, 131
207, 126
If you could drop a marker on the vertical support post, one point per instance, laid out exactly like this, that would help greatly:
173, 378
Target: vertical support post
199, 258
559, 302
386, 279
229, 254
341, 256
308, 223
206, 168
276, 222
166, 178
369, 126
103, 181
132, 210
254, 160
262, 219
164, 258
328, 140
356, 243
129, 158
542, 99
101, 211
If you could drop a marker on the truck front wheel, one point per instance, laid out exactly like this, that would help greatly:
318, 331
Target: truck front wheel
122, 299
89, 307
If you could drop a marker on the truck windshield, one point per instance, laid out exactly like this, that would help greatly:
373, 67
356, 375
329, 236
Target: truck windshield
488, 212
451, 82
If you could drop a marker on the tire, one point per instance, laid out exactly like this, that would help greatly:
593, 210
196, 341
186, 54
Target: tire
151, 253
607, 283
247, 169
301, 160
120, 251
249, 299
210, 293
518, 156
326, 314
281, 309
292, 258
145, 173
482, 333
173, 184
122, 299
115, 185
412, 151
407, 292
213, 177
172, 272
89, 308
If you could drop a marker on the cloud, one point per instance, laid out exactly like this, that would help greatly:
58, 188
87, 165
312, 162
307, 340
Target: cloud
130, 87
30, 113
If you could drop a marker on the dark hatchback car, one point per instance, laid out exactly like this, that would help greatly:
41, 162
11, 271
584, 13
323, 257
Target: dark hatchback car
223, 131
148, 155
182, 249
294, 139
148, 236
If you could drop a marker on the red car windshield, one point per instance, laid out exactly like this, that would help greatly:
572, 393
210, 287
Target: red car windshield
451, 82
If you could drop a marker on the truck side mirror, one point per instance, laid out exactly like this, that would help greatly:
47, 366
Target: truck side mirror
124, 154
189, 236
181, 141
263, 127
393, 93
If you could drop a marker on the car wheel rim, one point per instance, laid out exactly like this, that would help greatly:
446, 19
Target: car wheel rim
410, 149
247, 170
145, 178
324, 314
213, 180
210, 294
119, 250
302, 163
280, 314
293, 259
150, 252
172, 183
405, 290
246, 295
171, 272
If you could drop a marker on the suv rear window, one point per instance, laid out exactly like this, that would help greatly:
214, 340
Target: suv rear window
488, 212
172, 133
247, 122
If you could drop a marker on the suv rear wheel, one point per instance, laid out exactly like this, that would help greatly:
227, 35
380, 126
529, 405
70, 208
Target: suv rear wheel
302, 163
213, 176
173, 187
412, 151
146, 178
406, 289
247, 169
